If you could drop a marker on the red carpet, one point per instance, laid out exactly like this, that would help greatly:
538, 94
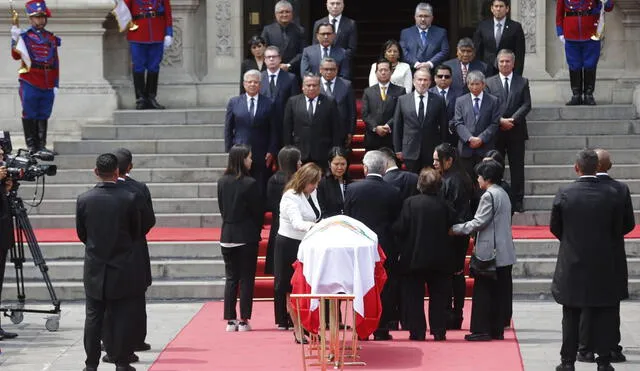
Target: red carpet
203, 345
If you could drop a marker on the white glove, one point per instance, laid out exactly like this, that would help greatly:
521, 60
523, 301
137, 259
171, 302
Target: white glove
561, 38
168, 40
55, 92
15, 33
604, 2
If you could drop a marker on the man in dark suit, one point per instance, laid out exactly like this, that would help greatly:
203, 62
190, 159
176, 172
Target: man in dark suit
312, 123
497, 33
515, 103
313, 55
277, 85
377, 204
378, 106
587, 223
405, 181
585, 353
444, 88
287, 36
344, 27
249, 120
419, 124
424, 45
476, 120
341, 91
464, 62
6, 232
108, 223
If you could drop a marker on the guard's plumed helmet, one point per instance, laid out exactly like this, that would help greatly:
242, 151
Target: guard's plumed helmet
36, 8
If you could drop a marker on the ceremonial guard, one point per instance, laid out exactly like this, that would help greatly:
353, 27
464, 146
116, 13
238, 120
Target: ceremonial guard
153, 34
38, 50
579, 25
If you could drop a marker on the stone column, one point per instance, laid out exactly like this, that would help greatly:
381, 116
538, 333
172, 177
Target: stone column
84, 95
630, 45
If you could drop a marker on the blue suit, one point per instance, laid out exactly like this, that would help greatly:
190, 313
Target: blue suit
312, 55
259, 132
436, 50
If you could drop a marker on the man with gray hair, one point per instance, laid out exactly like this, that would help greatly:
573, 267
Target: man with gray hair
476, 119
377, 204
464, 63
424, 45
286, 35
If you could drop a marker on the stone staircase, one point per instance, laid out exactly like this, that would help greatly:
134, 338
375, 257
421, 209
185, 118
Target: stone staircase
180, 154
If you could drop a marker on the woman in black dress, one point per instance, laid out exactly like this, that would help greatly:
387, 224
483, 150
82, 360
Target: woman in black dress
334, 184
257, 44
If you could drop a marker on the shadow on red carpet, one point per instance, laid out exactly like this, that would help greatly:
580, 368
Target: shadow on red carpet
203, 345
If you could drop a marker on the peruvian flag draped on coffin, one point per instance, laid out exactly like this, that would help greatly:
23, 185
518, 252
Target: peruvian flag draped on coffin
340, 255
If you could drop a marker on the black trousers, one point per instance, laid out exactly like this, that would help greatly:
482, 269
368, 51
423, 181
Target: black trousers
121, 314
3, 263
601, 327
513, 150
138, 331
455, 302
585, 331
490, 299
240, 272
285, 254
439, 285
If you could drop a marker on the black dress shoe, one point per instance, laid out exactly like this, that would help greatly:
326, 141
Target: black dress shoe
142, 347
439, 337
566, 366
131, 359
477, 337
606, 367
417, 337
586, 357
125, 368
90, 368
518, 208
382, 336
617, 357
7, 335
497, 336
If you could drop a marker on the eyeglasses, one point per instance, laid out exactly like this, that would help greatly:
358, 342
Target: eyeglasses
271, 56
443, 76
325, 33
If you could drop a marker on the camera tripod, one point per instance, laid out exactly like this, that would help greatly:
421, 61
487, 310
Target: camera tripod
24, 233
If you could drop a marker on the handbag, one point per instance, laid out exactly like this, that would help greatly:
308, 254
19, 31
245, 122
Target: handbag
479, 268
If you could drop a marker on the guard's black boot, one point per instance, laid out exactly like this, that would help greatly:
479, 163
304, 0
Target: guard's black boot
42, 136
138, 86
152, 90
31, 138
589, 87
566, 365
576, 88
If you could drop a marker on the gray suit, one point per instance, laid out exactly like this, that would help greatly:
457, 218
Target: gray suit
312, 56
493, 227
484, 126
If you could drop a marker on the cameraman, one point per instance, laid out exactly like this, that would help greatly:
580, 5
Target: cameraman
6, 233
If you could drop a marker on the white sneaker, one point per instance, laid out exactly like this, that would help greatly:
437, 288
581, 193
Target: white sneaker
244, 326
232, 326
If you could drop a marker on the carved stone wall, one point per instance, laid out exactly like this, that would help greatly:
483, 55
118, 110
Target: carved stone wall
527, 15
223, 24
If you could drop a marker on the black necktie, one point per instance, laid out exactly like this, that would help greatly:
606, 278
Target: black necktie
506, 86
421, 109
329, 91
285, 37
252, 108
310, 108
325, 52
334, 22
444, 94
272, 86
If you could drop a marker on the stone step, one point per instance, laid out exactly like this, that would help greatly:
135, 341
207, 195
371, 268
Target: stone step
157, 250
550, 187
580, 127
152, 146
204, 269
566, 172
582, 113
182, 220
131, 132
545, 267
160, 205
540, 288
158, 175
579, 142
545, 202
160, 290
178, 160
547, 248
184, 116
564, 157
542, 217
158, 190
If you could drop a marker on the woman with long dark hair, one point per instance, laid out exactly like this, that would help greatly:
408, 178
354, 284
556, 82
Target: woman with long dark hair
242, 217
457, 189
288, 163
334, 184
400, 71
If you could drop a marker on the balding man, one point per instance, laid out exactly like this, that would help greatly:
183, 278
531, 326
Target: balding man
585, 350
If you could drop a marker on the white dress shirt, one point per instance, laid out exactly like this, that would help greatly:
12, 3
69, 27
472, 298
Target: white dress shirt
314, 103
510, 77
337, 18
255, 104
401, 76
473, 99
495, 26
416, 99
275, 79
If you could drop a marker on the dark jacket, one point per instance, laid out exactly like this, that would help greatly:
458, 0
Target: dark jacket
512, 39
457, 193
423, 227
291, 49
275, 188
330, 197
108, 223
405, 181
242, 209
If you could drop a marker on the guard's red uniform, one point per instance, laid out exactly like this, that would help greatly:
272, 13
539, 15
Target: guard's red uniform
153, 18
577, 20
